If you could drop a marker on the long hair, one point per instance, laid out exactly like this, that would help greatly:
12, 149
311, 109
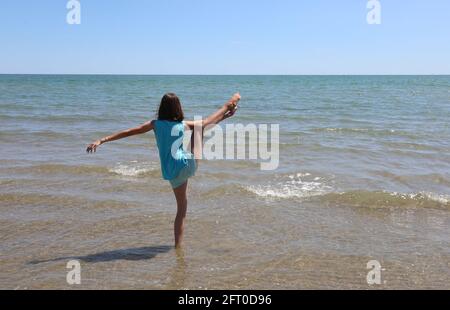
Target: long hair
170, 108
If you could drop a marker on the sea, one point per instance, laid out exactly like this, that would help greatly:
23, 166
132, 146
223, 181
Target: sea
360, 198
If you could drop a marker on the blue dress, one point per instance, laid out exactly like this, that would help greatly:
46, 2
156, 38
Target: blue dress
177, 165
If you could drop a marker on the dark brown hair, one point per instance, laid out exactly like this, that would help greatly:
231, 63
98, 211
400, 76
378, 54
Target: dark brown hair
170, 108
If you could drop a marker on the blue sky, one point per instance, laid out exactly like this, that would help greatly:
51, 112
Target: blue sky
225, 37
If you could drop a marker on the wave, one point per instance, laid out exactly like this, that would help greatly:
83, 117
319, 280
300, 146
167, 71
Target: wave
305, 187
132, 169
135, 169
380, 199
300, 185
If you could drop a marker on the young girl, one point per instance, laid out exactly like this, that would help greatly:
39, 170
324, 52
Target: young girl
177, 165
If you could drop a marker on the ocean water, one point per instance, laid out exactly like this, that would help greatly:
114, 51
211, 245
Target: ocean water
364, 175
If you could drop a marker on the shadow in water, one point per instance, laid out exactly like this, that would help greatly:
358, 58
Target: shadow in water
133, 254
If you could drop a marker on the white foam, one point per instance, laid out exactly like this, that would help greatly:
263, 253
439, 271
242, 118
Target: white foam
444, 199
295, 187
440, 198
133, 169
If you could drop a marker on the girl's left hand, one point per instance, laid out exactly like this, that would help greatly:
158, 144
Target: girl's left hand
92, 148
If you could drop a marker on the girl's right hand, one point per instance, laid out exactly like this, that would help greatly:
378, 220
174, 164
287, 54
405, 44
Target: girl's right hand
92, 148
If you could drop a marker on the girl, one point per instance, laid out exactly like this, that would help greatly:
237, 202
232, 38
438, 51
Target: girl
177, 165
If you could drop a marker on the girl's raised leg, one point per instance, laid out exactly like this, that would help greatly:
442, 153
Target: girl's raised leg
197, 143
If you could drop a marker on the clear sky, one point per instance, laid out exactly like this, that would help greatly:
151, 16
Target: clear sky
225, 37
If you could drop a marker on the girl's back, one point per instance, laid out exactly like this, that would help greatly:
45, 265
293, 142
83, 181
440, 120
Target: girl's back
169, 137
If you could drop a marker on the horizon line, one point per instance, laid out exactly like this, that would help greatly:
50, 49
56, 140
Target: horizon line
201, 74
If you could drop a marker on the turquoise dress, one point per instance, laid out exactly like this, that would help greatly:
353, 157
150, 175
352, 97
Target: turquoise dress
177, 165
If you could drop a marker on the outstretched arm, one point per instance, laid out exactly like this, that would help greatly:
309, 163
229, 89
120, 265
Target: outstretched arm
92, 148
226, 111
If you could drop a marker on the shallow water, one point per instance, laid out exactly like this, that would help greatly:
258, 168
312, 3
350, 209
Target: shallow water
364, 175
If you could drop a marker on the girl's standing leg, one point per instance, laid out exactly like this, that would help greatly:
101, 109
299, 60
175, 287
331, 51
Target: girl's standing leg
180, 195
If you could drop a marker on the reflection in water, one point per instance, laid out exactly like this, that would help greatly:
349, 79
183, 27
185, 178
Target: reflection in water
178, 276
